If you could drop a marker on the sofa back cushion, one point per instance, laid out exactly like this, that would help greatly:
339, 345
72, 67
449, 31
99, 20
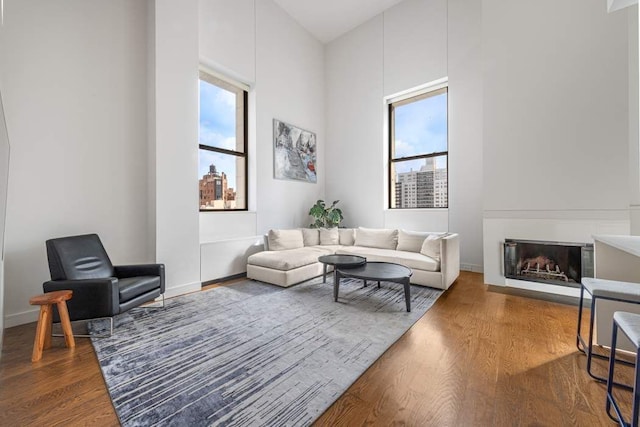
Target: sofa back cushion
310, 236
280, 240
382, 238
347, 236
431, 246
411, 241
329, 236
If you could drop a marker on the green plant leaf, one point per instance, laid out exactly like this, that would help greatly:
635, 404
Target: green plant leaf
325, 216
316, 211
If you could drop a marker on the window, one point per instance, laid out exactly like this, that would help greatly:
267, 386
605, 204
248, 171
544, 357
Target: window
418, 144
222, 163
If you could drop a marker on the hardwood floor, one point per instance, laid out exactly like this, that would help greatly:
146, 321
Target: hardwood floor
476, 358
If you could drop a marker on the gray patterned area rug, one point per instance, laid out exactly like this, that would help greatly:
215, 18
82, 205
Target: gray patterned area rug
251, 353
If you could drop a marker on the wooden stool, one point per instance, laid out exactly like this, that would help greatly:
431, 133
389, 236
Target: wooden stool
43, 331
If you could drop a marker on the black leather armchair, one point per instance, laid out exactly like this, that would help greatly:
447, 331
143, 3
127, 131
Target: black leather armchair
100, 289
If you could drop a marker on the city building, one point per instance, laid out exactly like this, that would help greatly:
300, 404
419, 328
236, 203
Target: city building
214, 191
426, 188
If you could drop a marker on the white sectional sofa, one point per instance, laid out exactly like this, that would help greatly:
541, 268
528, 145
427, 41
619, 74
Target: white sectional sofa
291, 256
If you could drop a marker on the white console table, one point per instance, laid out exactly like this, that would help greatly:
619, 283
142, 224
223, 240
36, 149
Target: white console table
616, 258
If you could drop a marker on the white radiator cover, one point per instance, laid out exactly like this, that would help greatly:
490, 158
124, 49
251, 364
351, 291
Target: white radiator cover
224, 258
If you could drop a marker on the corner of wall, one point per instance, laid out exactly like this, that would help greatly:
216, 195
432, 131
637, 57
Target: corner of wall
151, 131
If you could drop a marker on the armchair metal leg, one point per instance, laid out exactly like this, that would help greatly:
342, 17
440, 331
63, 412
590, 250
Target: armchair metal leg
150, 306
146, 307
90, 335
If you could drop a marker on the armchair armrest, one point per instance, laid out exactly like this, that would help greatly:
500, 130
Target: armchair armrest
123, 271
450, 259
91, 297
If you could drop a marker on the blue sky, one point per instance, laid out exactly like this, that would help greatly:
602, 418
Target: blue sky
421, 128
217, 129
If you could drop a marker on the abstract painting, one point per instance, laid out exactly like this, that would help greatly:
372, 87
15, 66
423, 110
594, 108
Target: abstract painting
294, 152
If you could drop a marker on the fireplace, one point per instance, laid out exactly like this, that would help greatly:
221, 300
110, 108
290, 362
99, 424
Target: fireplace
553, 263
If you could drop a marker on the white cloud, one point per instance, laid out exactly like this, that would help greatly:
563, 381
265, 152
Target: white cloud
215, 139
403, 149
227, 98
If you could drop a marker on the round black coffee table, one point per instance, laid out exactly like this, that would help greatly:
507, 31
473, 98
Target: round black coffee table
377, 271
339, 261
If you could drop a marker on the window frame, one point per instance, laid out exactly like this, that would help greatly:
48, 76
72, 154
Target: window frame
393, 103
212, 78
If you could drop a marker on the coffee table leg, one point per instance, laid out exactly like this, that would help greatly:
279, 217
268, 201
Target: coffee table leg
407, 294
336, 284
324, 274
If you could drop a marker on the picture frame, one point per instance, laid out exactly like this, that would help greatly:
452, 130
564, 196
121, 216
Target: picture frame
294, 153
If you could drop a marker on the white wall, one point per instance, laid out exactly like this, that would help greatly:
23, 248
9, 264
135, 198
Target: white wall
416, 219
4, 175
556, 122
355, 111
151, 127
555, 106
411, 44
227, 37
634, 123
258, 44
289, 87
465, 129
176, 133
74, 88
415, 44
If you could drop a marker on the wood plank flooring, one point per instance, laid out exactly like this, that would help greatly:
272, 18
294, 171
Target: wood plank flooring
477, 358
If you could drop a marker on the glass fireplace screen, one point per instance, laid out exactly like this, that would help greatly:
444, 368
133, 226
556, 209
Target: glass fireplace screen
555, 263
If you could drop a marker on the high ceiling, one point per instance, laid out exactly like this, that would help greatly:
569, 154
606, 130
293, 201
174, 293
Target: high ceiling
329, 19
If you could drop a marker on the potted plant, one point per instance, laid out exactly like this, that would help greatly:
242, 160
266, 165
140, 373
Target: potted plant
324, 216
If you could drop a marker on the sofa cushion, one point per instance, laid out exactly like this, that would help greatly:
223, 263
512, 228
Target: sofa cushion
287, 259
382, 238
329, 236
280, 240
408, 259
431, 246
329, 249
310, 236
411, 241
347, 236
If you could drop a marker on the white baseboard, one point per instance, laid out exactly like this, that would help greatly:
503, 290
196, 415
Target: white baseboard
474, 268
11, 320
